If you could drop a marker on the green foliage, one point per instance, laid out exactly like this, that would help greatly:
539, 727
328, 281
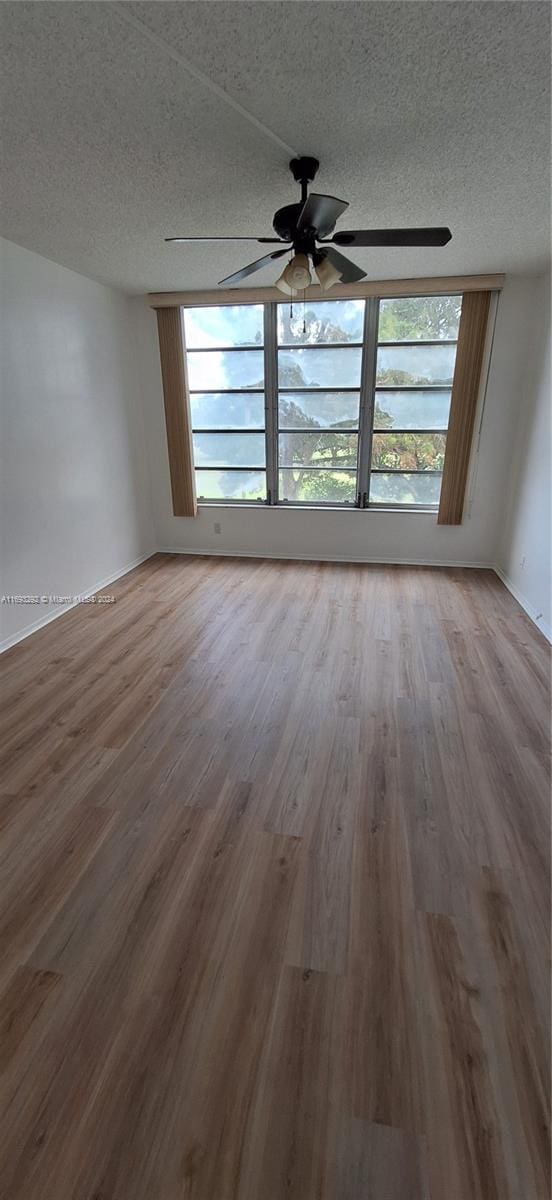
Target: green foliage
408, 451
329, 448
419, 318
393, 377
292, 414
323, 486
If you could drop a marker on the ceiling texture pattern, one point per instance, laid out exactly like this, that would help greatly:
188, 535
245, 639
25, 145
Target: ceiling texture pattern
124, 123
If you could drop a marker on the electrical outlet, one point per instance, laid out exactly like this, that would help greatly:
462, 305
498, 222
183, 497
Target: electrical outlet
216, 527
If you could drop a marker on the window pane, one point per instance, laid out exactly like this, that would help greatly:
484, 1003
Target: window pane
423, 318
412, 410
213, 410
405, 489
216, 369
229, 449
406, 365
314, 487
230, 485
327, 321
232, 325
318, 449
328, 410
315, 368
408, 451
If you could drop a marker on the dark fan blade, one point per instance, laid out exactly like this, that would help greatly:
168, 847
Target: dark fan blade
392, 237
349, 272
185, 240
320, 213
254, 266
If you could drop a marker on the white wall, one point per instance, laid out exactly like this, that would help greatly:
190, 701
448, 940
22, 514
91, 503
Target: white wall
381, 536
76, 508
524, 555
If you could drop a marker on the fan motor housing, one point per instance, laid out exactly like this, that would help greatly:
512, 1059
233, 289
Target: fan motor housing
285, 221
285, 225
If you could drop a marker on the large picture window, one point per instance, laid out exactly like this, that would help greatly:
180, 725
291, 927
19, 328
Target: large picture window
334, 402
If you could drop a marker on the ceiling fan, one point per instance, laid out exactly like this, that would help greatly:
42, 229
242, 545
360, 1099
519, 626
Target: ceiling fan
306, 228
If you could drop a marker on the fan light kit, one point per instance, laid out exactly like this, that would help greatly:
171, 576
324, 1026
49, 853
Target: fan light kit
296, 276
325, 271
307, 230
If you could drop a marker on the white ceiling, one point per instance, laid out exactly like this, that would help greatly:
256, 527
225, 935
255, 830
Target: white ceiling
126, 123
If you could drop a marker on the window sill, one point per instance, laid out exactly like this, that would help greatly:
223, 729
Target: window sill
372, 508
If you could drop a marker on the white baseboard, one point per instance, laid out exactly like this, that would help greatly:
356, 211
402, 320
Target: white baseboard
337, 558
53, 616
526, 605
532, 612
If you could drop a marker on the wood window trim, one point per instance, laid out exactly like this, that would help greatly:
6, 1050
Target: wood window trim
177, 411
470, 351
382, 288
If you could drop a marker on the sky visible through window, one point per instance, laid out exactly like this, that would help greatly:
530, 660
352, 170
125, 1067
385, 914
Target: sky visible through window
230, 325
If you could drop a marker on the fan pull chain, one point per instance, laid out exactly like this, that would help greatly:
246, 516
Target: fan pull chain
304, 319
291, 301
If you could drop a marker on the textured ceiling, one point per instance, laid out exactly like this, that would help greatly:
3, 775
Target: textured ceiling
126, 123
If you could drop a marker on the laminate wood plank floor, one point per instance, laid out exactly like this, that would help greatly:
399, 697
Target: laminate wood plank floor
274, 879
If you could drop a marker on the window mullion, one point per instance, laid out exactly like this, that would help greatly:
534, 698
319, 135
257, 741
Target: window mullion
367, 398
271, 401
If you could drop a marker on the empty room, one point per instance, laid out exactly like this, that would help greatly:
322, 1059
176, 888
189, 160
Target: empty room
275, 600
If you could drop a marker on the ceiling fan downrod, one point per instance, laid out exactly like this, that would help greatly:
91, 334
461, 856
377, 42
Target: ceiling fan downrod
304, 170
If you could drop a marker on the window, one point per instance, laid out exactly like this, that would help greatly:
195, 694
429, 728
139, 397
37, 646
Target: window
225, 359
416, 353
337, 402
319, 373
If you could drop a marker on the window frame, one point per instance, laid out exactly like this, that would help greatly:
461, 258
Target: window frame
345, 505
406, 388
367, 389
235, 391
